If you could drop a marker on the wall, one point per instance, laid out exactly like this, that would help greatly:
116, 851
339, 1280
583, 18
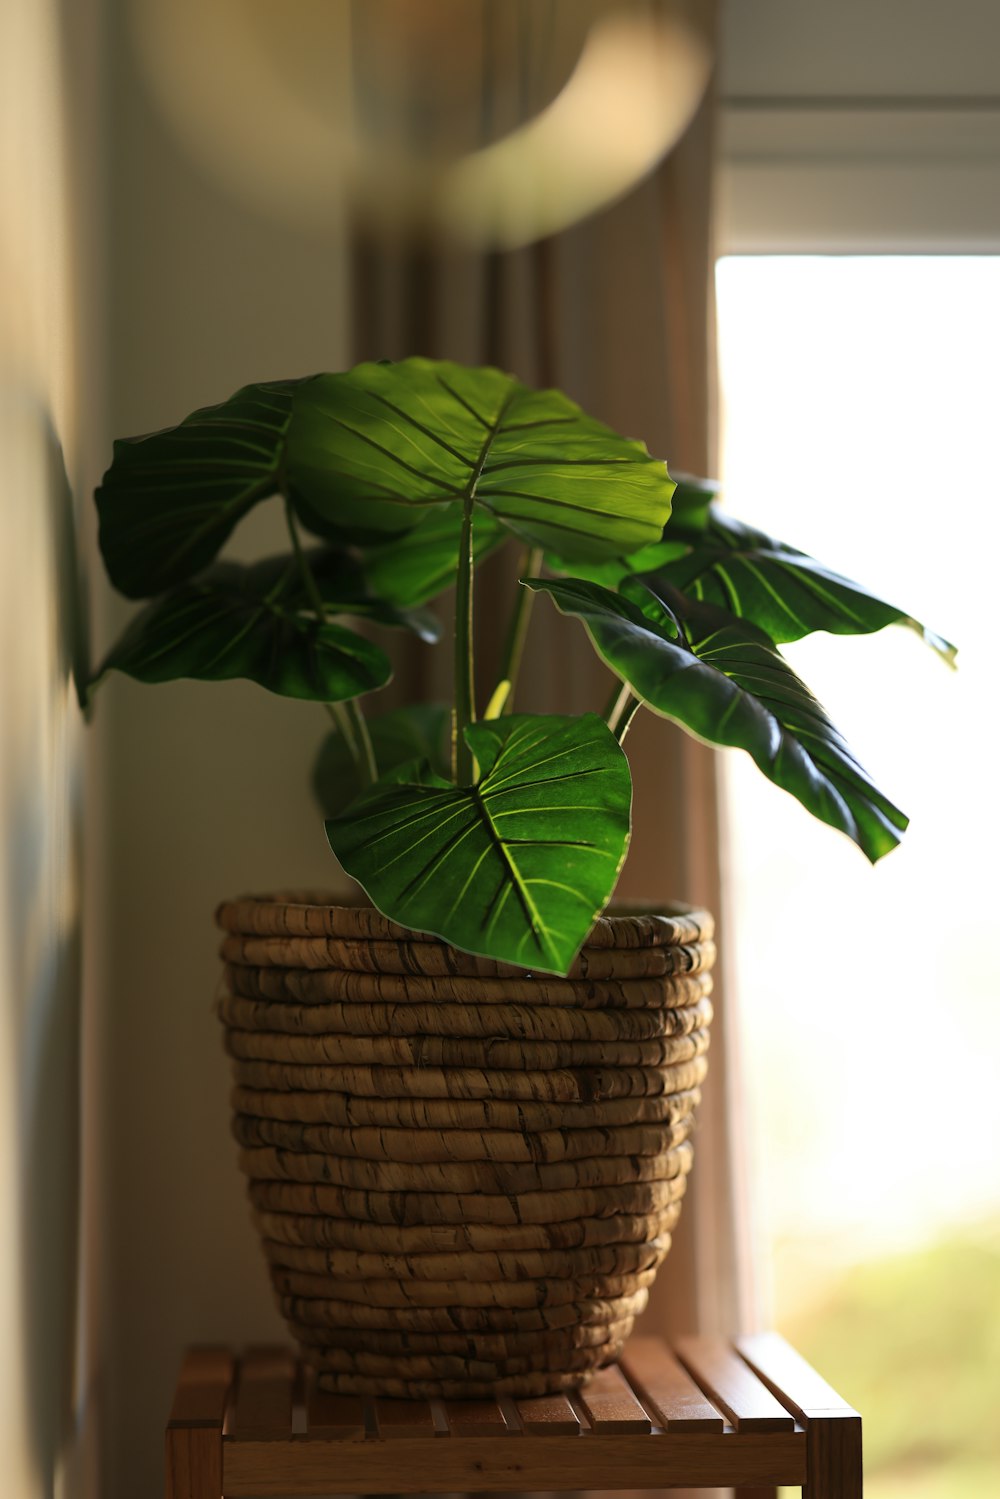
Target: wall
209, 784
50, 186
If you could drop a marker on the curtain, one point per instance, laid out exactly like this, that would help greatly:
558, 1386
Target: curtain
618, 312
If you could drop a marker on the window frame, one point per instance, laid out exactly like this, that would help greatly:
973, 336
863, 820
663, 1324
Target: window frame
831, 175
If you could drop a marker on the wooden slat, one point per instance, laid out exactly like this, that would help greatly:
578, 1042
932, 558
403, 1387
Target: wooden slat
833, 1428
550, 1414
264, 1395
610, 1406
476, 1418
203, 1387
666, 1389
193, 1444
406, 1418
794, 1382
730, 1384
341, 1416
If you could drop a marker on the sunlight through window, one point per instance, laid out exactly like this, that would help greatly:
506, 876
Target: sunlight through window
860, 424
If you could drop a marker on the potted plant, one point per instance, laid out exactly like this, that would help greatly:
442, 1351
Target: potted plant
465, 1108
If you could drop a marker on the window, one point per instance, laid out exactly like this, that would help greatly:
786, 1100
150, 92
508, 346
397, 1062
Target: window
860, 398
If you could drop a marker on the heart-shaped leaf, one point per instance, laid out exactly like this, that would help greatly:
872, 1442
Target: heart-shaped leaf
170, 500
723, 679
784, 591
250, 622
405, 735
371, 450
516, 867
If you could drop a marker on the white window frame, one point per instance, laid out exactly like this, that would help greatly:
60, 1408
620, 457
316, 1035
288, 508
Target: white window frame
859, 176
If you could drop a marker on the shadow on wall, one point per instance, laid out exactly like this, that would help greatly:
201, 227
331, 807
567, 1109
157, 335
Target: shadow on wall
40, 944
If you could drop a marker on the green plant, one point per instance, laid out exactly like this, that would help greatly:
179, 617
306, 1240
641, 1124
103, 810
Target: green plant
506, 834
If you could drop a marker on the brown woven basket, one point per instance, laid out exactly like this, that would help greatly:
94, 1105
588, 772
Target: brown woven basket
465, 1175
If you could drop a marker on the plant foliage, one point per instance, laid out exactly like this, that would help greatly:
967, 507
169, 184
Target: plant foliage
502, 833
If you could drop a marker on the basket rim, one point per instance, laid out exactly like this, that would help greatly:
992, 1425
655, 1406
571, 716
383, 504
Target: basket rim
309, 912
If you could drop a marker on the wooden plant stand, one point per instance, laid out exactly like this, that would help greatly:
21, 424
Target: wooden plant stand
703, 1413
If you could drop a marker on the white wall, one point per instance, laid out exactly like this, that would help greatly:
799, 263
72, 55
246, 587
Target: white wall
50, 413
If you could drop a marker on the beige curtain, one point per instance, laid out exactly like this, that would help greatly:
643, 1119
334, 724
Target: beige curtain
618, 312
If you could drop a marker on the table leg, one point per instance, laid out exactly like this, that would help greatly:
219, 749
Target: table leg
833, 1461
194, 1431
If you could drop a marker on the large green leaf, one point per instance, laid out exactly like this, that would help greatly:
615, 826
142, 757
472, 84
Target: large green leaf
252, 622
345, 587
690, 509
723, 679
784, 591
412, 569
170, 500
516, 867
371, 450
404, 735
693, 501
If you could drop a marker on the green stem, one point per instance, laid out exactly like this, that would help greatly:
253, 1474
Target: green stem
621, 708
625, 720
305, 571
347, 715
620, 711
620, 692
366, 762
517, 630
342, 724
464, 711
463, 764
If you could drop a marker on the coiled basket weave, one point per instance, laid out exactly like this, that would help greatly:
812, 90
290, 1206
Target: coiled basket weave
465, 1175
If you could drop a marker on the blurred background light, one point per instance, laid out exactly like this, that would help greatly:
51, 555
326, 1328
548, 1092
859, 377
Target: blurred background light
491, 124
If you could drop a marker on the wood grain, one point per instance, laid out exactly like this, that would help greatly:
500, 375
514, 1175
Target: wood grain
533, 1464
833, 1428
666, 1389
406, 1418
610, 1405
477, 1418
366, 1446
731, 1385
793, 1381
549, 1413
193, 1441
264, 1394
203, 1387
337, 1416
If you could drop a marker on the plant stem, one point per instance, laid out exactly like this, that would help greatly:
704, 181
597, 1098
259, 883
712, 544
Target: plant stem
305, 572
463, 763
347, 715
613, 707
464, 711
517, 630
365, 761
282, 583
626, 706
620, 711
342, 724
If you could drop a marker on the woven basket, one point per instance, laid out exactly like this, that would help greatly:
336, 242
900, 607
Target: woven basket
465, 1175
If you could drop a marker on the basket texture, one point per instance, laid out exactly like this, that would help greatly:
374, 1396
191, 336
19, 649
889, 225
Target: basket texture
464, 1175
